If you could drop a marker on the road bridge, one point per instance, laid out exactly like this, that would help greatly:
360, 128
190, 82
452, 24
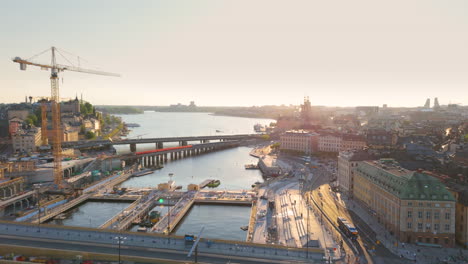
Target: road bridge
74, 238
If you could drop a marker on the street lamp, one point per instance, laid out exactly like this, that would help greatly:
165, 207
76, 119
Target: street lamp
38, 210
120, 240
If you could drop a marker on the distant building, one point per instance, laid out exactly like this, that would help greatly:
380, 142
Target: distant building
27, 140
347, 162
335, 142
21, 114
367, 110
381, 138
415, 207
14, 125
72, 106
299, 140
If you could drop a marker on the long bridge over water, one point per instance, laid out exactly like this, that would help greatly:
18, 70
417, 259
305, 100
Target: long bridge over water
158, 141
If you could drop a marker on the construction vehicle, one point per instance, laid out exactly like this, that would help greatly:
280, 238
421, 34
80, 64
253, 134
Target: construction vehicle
57, 133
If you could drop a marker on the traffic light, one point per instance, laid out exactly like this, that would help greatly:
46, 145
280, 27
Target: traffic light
161, 200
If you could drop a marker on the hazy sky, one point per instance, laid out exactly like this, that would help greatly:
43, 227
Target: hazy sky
242, 52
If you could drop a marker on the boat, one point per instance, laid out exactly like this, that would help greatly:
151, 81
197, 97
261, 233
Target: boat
214, 184
154, 216
142, 229
142, 173
244, 228
251, 166
132, 125
259, 128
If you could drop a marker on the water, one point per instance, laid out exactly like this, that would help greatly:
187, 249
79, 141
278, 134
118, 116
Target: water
225, 165
221, 222
160, 124
92, 214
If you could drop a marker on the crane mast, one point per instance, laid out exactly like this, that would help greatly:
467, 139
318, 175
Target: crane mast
44, 123
56, 125
57, 133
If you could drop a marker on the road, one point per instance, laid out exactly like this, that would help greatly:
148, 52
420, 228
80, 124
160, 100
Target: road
152, 253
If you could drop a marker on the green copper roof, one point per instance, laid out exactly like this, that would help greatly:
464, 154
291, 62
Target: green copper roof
424, 187
407, 185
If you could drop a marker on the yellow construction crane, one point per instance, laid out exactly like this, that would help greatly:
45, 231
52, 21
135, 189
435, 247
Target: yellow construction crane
55, 102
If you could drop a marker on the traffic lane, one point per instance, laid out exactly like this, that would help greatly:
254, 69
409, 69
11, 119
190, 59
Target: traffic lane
130, 251
333, 211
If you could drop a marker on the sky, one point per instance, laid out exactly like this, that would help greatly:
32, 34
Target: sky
242, 52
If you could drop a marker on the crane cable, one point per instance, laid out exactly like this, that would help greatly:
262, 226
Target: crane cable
29, 59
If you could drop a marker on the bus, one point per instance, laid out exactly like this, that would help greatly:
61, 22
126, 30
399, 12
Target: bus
347, 228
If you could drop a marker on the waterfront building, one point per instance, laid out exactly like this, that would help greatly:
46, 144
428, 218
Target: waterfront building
412, 205
27, 140
334, 142
299, 140
268, 166
347, 161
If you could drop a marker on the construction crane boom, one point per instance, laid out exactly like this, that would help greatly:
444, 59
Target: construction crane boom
57, 133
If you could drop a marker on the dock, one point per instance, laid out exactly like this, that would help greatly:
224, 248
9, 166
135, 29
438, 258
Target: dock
175, 214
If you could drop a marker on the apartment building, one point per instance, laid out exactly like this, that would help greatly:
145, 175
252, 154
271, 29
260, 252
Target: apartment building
27, 140
299, 140
347, 162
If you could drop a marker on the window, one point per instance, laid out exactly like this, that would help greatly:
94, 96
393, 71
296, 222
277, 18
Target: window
436, 227
410, 225
436, 215
420, 214
447, 227
419, 225
410, 214
420, 204
447, 216
428, 215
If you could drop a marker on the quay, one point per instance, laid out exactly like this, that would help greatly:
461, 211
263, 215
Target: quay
170, 221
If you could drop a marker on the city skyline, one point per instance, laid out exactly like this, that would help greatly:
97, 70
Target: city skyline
222, 53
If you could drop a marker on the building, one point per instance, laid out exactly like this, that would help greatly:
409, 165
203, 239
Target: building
413, 206
347, 161
268, 166
299, 140
329, 142
72, 106
334, 142
21, 114
14, 125
381, 138
460, 192
27, 140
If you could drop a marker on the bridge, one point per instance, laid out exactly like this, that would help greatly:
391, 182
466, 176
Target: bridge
75, 238
158, 141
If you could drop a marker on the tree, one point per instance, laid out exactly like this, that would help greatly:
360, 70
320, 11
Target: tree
82, 129
90, 135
